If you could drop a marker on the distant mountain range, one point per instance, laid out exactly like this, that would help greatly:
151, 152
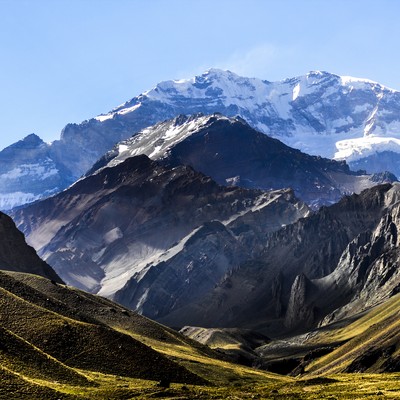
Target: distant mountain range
320, 113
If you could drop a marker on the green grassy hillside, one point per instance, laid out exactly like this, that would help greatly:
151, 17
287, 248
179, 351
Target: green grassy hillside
372, 343
57, 342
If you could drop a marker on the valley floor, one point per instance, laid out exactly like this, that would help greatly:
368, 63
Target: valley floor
57, 342
343, 386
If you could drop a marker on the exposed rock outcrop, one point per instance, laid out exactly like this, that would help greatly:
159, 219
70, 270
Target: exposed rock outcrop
300, 310
333, 264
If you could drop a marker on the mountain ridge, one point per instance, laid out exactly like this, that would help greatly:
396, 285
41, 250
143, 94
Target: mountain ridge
301, 111
251, 160
323, 268
85, 232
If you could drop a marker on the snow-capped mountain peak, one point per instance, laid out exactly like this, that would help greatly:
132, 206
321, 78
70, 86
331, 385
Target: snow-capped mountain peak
213, 84
311, 112
363, 82
156, 141
319, 113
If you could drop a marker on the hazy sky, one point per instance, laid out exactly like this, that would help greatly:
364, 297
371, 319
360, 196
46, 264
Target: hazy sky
68, 60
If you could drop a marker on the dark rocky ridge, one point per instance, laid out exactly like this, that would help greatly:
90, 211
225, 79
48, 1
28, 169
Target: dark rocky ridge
232, 153
16, 255
222, 257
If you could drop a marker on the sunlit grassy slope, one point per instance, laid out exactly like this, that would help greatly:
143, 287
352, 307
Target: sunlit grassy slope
372, 343
58, 339
57, 342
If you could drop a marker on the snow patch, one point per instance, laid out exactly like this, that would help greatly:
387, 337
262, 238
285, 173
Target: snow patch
338, 123
113, 235
137, 260
121, 111
141, 300
122, 148
85, 280
96, 256
36, 171
354, 149
296, 92
14, 199
129, 109
104, 117
359, 83
346, 80
362, 108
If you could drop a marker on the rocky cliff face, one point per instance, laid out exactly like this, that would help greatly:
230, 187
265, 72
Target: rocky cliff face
224, 256
368, 268
331, 265
299, 312
16, 255
192, 268
176, 246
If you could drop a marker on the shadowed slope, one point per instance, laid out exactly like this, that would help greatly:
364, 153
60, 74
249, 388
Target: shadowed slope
21, 357
16, 255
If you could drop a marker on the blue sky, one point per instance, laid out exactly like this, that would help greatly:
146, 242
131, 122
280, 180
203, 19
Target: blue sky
68, 60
